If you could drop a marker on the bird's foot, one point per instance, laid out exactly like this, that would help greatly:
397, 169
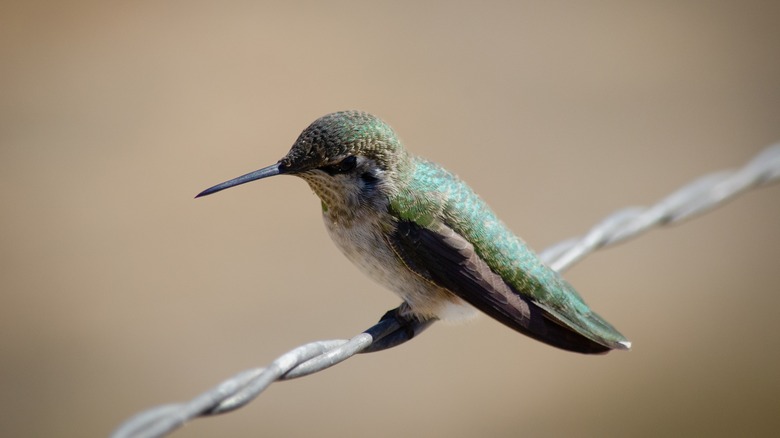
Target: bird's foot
394, 328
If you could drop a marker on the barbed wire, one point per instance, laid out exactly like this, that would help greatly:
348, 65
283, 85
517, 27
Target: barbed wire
695, 198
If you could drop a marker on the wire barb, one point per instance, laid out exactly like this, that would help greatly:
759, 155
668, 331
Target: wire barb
695, 198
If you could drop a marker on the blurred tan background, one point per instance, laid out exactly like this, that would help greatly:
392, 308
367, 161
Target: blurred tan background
121, 292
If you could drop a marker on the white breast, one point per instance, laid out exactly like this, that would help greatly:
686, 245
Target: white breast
362, 242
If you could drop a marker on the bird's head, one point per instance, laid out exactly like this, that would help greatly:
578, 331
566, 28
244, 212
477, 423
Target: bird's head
351, 159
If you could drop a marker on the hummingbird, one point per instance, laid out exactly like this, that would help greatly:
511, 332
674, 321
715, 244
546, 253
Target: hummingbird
420, 231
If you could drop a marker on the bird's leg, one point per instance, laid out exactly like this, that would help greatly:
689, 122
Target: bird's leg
394, 328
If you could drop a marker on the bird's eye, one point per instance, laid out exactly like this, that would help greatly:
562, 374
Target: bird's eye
347, 164
344, 166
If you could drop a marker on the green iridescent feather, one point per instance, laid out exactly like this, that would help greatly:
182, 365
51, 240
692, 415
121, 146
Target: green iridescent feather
432, 194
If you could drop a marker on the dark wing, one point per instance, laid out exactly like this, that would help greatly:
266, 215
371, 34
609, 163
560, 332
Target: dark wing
448, 260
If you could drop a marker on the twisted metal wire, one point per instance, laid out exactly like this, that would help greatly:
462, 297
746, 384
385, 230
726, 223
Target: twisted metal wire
697, 197
694, 198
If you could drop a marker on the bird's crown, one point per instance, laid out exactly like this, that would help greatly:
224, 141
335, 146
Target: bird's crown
335, 136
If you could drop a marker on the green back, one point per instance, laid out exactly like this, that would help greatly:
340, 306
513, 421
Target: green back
433, 196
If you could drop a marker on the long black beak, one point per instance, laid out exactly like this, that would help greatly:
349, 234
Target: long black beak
265, 172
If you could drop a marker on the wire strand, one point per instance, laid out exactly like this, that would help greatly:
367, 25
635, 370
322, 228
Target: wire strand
695, 198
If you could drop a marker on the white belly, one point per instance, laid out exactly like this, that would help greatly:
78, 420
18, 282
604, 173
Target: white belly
363, 244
